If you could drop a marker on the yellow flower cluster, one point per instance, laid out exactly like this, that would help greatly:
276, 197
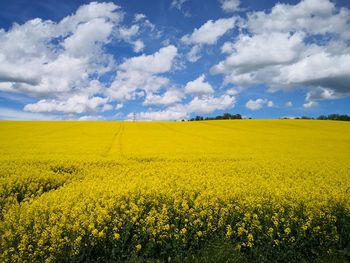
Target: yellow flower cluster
85, 190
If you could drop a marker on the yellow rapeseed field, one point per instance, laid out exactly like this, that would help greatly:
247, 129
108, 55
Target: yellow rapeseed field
99, 191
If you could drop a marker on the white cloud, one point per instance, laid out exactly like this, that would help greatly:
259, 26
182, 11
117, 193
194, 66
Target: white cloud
89, 12
166, 42
61, 63
202, 103
227, 48
171, 96
232, 91
139, 29
7, 87
141, 73
207, 104
255, 105
270, 104
178, 4
199, 105
107, 107
158, 62
12, 114
138, 45
311, 16
193, 55
92, 118
230, 5
128, 33
258, 51
199, 86
259, 104
246, 79
119, 106
319, 93
59, 60
288, 104
310, 104
67, 73
326, 76
164, 115
87, 36
139, 17
210, 32
302, 46
74, 105
318, 70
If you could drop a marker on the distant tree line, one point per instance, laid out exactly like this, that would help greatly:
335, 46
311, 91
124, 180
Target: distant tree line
332, 117
228, 116
225, 116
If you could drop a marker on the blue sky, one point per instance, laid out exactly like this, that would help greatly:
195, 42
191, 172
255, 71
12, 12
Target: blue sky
171, 60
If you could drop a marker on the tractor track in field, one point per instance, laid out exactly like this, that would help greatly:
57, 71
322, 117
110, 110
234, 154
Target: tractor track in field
120, 142
113, 140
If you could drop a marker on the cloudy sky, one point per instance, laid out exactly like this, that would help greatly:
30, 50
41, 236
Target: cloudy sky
173, 59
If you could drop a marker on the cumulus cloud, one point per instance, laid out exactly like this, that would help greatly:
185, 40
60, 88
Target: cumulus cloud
75, 104
163, 115
68, 67
171, 96
210, 32
318, 70
138, 45
158, 62
13, 114
227, 48
199, 86
230, 5
259, 104
194, 54
178, 3
119, 106
288, 104
139, 17
310, 104
59, 60
319, 93
127, 33
232, 91
61, 63
270, 104
199, 105
301, 46
91, 118
86, 36
89, 12
107, 107
311, 16
142, 74
258, 51
207, 104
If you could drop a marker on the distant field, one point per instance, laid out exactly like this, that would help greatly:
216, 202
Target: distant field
262, 190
